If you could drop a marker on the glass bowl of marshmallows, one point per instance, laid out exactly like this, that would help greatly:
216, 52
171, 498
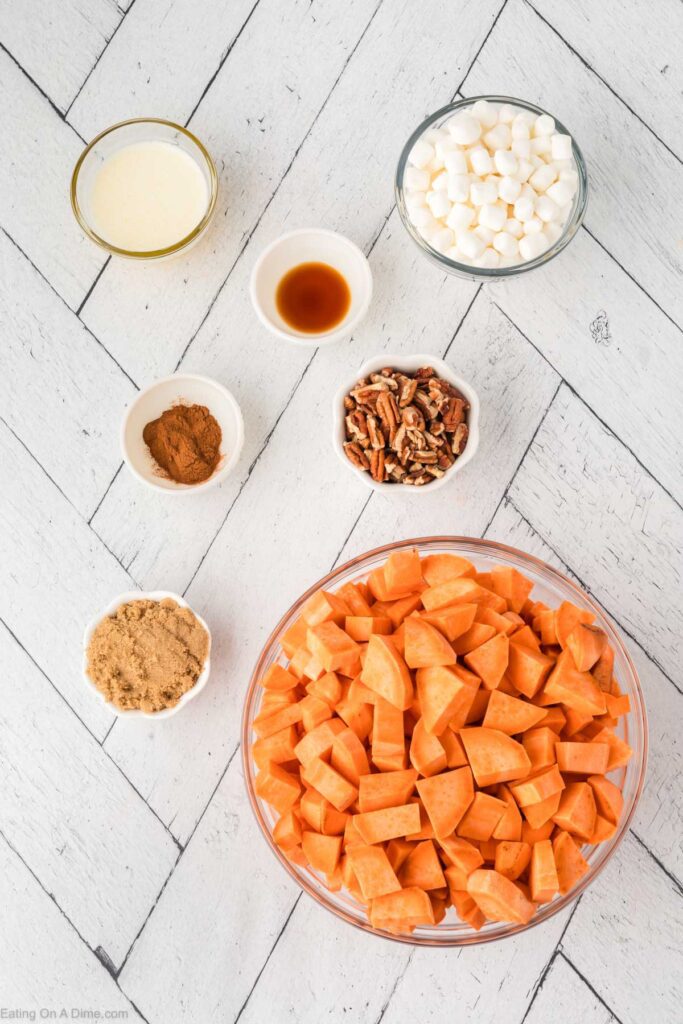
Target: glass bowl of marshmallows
491, 187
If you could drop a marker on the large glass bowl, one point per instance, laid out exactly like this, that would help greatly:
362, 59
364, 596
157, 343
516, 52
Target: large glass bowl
549, 586
491, 273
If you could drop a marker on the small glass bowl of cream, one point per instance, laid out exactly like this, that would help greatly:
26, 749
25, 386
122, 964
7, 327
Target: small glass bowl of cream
145, 189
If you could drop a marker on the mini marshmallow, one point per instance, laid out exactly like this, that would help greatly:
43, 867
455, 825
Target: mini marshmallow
532, 246
561, 146
458, 188
488, 259
470, 245
570, 178
519, 129
414, 200
498, 137
422, 216
552, 232
421, 154
540, 145
506, 114
460, 217
486, 235
560, 192
521, 148
492, 216
485, 113
544, 125
528, 192
546, 209
454, 254
428, 231
439, 204
513, 227
444, 146
480, 161
506, 162
524, 170
440, 182
509, 189
464, 129
524, 209
443, 240
536, 161
506, 244
455, 162
543, 177
434, 135
416, 178
533, 226
483, 192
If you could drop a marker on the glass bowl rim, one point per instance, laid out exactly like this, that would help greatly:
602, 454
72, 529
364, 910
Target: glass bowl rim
466, 270
147, 254
545, 911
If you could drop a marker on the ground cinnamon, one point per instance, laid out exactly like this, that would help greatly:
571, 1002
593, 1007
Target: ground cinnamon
185, 442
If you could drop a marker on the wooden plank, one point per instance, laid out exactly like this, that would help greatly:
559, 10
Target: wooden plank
77, 30
610, 521
228, 890
57, 575
158, 63
44, 964
515, 387
564, 996
72, 816
339, 178
631, 905
284, 543
636, 54
629, 170
659, 817
73, 394
608, 340
34, 207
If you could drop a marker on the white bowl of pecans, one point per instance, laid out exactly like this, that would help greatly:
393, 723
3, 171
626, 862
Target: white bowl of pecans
406, 423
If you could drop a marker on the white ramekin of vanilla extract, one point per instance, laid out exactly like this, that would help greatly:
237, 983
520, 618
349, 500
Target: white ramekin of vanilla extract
145, 189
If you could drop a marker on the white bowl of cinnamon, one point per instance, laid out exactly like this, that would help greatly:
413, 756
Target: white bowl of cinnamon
183, 433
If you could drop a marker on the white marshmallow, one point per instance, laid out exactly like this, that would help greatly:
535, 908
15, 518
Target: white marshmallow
571, 178
455, 162
480, 161
483, 192
460, 217
561, 146
492, 216
540, 146
421, 154
506, 114
552, 232
509, 189
485, 113
532, 246
544, 125
528, 192
498, 137
506, 162
464, 129
470, 245
443, 239
454, 254
488, 259
434, 135
439, 204
428, 231
443, 146
509, 261
414, 200
533, 226
543, 177
536, 161
416, 178
513, 227
524, 170
422, 216
486, 235
440, 182
524, 209
519, 129
458, 188
560, 192
546, 209
435, 165
506, 244
521, 148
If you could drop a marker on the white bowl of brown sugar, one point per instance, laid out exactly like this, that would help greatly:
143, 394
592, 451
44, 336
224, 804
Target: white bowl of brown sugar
182, 434
147, 654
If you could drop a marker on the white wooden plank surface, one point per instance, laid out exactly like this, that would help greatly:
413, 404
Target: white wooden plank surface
37, 157
91, 841
633, 202
58, 44
565, 997
44, 964
637, 54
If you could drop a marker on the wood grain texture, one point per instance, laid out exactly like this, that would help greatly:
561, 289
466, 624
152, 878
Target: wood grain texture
44, 964
636, 54
632, 201
57, 45
58, 369
611, 522
36, 160
564, 996
90, 839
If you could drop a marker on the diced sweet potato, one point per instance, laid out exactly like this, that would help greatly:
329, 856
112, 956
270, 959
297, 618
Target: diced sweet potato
493, 756
488, 617
403, 571
266, 724
388, 823
510, 825
477, 635
426, 754
319, 813
540, 746
355, 600
278, 748
543, 880
388, 737
586, 643
463, 858
287, 831
538, 787
334, 648
329, 783
603, 669
577, 810
481, 817
533, 835
453, 748
576, 689
399, 610
318, 742
453, 620
478, 708
294, 636
278, 679
567, 617
602, 830
386, 789
321, 852
555, 719
512, 859
349, 757
498, 898
525, 637
425, 646
511, 715
314, 711
490, 660
422, 868
511, 585
410, 907
277, 787
446, 797
619, 751
569, 861
582, 758
375, 875
444, 695
440, 568
361, 627
386, 672
397, 850
467, 910
327, 688
324, 607
460, 590
608, 799
528, 669
539, 814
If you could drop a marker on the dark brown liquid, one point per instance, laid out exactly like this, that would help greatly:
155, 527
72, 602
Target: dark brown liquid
313, 297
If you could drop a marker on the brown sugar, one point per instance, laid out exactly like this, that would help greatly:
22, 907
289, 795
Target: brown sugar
185, 442
147, 654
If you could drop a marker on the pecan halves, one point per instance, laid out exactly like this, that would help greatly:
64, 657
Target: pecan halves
375, 434
460, 438
377, 465
389, 413
356, 455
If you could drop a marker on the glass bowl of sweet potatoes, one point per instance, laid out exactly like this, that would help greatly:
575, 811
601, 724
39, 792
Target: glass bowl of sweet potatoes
444, 741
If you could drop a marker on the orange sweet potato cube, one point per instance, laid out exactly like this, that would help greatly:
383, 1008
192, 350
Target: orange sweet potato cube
386, 672
334, 648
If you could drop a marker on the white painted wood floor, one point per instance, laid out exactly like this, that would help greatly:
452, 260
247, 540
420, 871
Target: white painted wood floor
132, 877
